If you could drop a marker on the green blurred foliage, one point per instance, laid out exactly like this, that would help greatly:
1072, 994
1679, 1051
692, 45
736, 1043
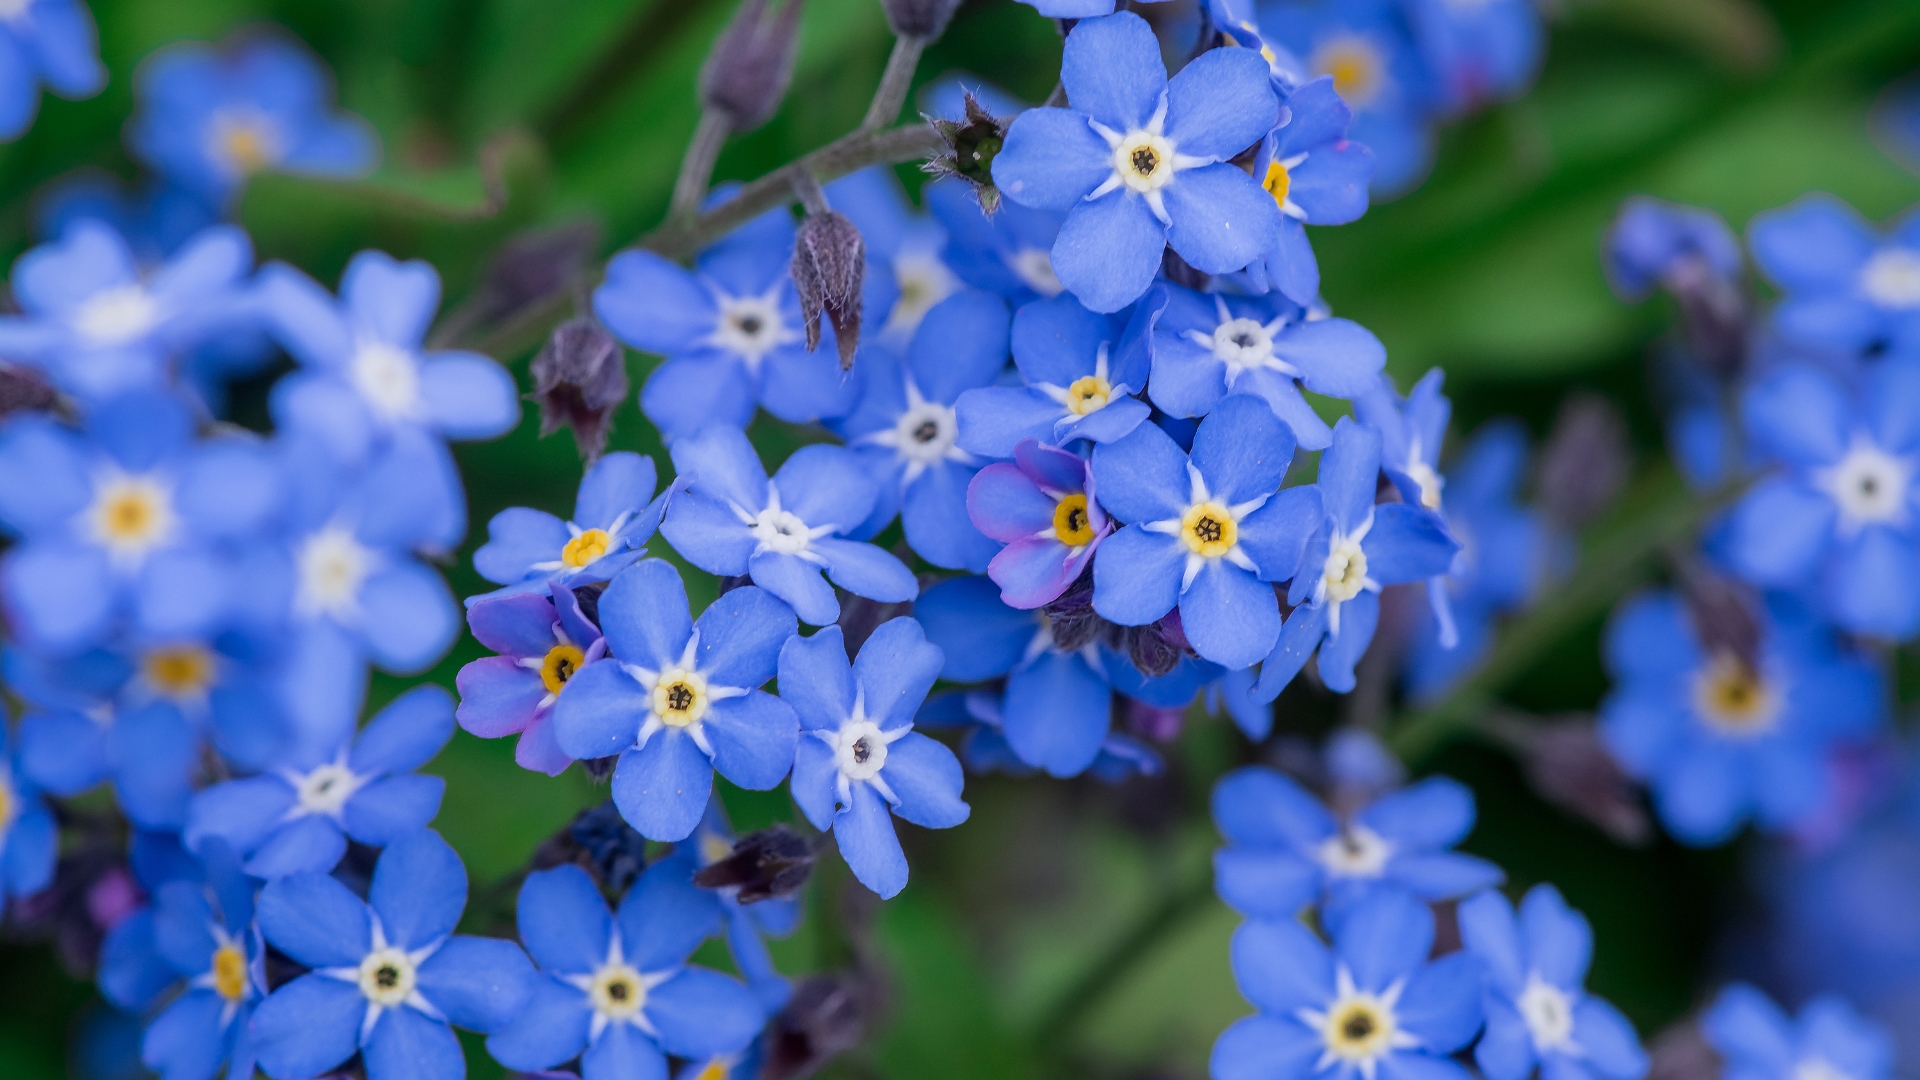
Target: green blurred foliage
497, 115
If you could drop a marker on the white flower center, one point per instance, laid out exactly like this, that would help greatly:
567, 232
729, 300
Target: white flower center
1356, 852
618, 992
387, 977
1733, 698
1358, 1028
1548, 1011
861, 750
782, 531
1891, 278
1242, 343
925, 432
1345, 573
750, 326
924, 281
1143, 160
130, 516
1035, 267
388, 378
326, 789
1816, 1068
680, 697
116, 316
332, 566
1430, 483
1869, 484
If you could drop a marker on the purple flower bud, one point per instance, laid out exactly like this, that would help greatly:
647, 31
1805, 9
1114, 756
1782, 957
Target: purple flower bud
1568, 766
829, 266
765, 864
1585, 461
747, 72
1725, 613
924, 19
600, 842
534, 265
579, 378
825, 1017
23, 389
1682, 1052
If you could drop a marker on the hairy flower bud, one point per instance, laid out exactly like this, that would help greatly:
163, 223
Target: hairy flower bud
825, 1017
972, 144
1585, 461
924, 19
747, 72
765, 864
1725, 613
579, 378
829, 267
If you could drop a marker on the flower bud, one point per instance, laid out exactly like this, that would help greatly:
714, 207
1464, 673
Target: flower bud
534, 265
829, 267
972, 144
1585, 461
1725, 613
923, 19
1568, 766
825, 1017
766, 864
23, 389
579, 378
747, 72
600, 842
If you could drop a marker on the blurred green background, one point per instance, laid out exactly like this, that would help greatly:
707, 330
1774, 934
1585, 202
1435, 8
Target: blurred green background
1004, 956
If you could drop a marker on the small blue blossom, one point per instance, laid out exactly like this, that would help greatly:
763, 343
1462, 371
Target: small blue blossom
298, 817
1206, 347
45, 41
1757, 1040
1081, 371
1721, 738
615, 988
1479, 53
1538, 1011
1009, 252
150, 754
207, 118
1206, 533
1371, 1006
1141, 162
1845, 287
1042, 507
781, 532
1285, 850
614, 516
29, 839
984, 747
387, 976
205, 932
682, 700
904, 245
1317, 176
543, 642
132, 973
905, 428
859, 757
1654, 244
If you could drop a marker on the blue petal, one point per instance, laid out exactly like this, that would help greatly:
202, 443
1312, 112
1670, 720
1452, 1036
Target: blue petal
1873, 584
701, 1013
1057, 713
1258, 806
1336, 357
1441, 1004
1230, 616
665, 916
926, 778
816, 679
1112, 71
1359, 617
393, 300
798, 582
619, 483
1136, 576
1281, 967
1384, 938
242, 812
388, 809
64, 753
407, 1045
1242, 450
753, 739
406, 734
960, 344
995, 419
1815, 242
1275, 536
1306, 625
1220, 104
980, 637
686, 394
1406, 544
419, 889
1778, 531
1347, 473
826, 485
1265, 884
721, 464
186, 1040
812, 786
644, 615
1222, 220
740, 637
518, 537
622, 1052
1109, 249
865, 570
551, 1028
653, 304
662, 788
1489, 931
707, 534
478, 983
308, 1026
563, 921
1142, 477
313, 843
1800, 414
1559, 941
600, 714
408, 618
1265, 1047
1612, 1047
895, 669
468, 396
867, 841
1435, 813
934, 515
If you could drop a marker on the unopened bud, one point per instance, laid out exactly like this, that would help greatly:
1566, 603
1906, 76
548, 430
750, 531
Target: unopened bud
923, 19
599, 841
860, 617
1568, 766
1157, 648
1071, 618
829, 267
1725, 613
766, 864
1154, 723
825, 1017
22, 389
1692, 254
747, 72
972, 144
1682, 1052
535, 265
579, 378
1585, 461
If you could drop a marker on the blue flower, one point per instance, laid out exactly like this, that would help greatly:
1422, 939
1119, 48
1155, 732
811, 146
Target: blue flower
1720, 738
1371, 1006
298, 817
208, 118
1317, 176
781, 532
1081, 371
904, 245
746, 924
1206, 347
615, 989
1841, 519
682, 700
859, 755
1206, 533
1285, 850
131, 973
904, 428
1042, 506
386, 976
1009, 252
1844, 286
613, 518
543, 642
149, 753
730, 331
1479, 54
205, 932
984, 747
131, 518
29, 839
1829, 1038
154, 218
1654, 244
1538, 1010
1358, 549
50, 41
1142, 162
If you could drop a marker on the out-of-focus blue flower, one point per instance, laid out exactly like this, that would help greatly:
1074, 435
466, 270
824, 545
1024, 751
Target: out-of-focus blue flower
129, 519
905, 427
1317, 176
154, 218
905, 245
682, 700
1654, 243
298, 817
1841, 520
1721, 739
1081, 371
1538, 1011
1844, 286
1372, 1005
208, 118
1367, 48
1479, 53
386, 976
29, 839
746, 924
150, 754
205, 932
98, 323
783, 531
131, 972
1141, 162
1206, 347
984, 747
543, 642
1009, 252
1757, 1039
1042, 507
1359, 548
614, 516
45, 41
730, 331
615, 989
860, 761
1285, 850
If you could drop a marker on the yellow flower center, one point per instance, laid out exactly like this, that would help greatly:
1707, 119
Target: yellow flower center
1278, 183
716, 1069
131, 514
1070, 521
1144, 161
1208, 529
617, 991
7, 807
1355, 66
230, 972
1733, 698
178, 671
247, 142
585, 548
1088, 394
561, 662
680, 697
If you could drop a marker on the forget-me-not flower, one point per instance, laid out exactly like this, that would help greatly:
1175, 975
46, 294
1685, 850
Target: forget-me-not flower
1844, 286
1829, 1039
1009, 252
1317, 176
543, 642
1478, 53
205, 932
613, 518
1042, 507
1653, 243
1081, 370
45, 41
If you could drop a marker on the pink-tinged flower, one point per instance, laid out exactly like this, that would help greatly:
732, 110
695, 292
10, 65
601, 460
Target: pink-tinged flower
1042, 507
543, 643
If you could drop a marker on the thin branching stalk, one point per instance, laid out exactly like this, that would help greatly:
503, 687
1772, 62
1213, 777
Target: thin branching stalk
894, 83
696, 169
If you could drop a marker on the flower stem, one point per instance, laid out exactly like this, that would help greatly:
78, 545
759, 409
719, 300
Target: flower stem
894, 83
696, 169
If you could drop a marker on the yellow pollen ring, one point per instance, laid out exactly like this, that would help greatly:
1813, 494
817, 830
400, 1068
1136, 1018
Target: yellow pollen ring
585, 548
1278, 182
560, 664
1071, 522
680, 698
1734, 698
1088, 394
1208, 530
230, 972
178, 671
